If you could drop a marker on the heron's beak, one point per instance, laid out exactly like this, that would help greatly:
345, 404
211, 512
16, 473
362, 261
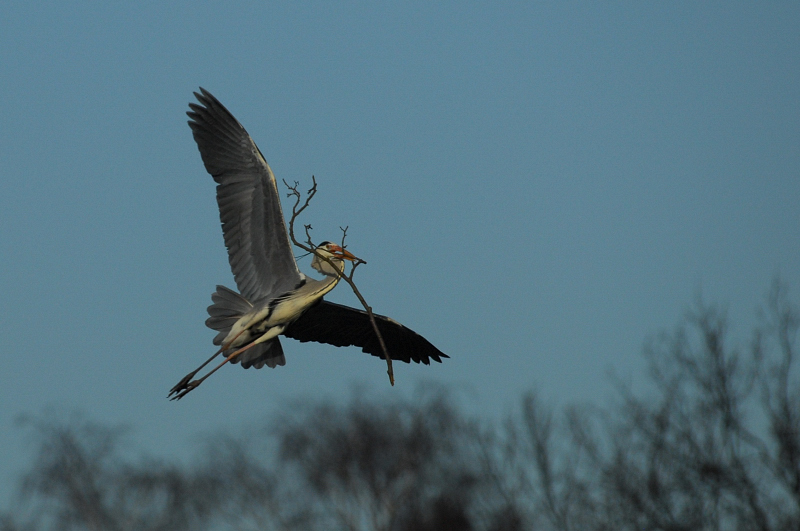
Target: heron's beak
343, 253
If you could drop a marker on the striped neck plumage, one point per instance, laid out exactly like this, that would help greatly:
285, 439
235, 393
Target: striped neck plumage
333, 267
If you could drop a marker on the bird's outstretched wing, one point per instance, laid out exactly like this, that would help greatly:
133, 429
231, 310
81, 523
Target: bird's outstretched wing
249, 205
343, 326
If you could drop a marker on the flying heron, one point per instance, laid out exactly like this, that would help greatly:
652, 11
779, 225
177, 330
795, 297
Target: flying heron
274, 297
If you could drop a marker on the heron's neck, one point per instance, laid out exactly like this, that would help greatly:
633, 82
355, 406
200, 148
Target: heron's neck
318, 288
288, 307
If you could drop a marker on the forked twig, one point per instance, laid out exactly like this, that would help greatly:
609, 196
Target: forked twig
309, 247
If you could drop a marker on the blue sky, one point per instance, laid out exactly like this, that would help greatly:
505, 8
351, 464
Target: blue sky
537, 187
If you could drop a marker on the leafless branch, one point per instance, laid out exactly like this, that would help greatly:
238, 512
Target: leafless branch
308, 246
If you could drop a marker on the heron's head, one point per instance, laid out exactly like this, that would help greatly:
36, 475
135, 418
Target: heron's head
335, 254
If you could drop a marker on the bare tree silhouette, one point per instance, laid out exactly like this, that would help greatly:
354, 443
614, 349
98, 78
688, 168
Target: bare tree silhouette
390, 466
80, 480
716, 447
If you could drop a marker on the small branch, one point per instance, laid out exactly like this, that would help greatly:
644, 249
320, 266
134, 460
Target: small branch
309, 247
308, 235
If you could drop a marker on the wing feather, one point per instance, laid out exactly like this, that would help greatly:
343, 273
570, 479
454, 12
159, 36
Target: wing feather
253, 225
343, 326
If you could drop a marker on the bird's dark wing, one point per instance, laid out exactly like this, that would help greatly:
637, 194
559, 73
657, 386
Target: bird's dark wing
249, 206
342, 326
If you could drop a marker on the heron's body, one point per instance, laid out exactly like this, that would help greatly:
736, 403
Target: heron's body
269, 318
274, 297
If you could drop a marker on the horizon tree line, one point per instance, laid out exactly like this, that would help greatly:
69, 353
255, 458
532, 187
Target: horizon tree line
714, 444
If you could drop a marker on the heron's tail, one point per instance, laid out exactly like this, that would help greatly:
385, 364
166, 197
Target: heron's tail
228, 306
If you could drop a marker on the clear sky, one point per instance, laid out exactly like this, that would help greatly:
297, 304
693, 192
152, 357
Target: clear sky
537, 187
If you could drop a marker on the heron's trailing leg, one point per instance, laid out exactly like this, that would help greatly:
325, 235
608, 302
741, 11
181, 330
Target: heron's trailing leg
183, 384
195, 383
180, 386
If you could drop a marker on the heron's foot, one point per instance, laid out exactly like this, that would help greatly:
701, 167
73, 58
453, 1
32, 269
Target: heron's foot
182, 385
188, 387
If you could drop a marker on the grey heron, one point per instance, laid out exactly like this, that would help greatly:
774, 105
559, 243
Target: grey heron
274, 297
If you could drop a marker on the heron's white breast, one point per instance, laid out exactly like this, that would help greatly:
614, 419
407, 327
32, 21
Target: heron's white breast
290, 309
